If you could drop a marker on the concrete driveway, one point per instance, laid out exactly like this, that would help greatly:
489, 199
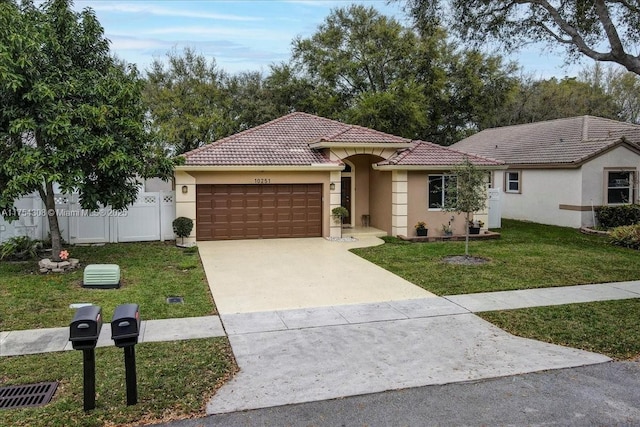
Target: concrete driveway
308, 320
280, 274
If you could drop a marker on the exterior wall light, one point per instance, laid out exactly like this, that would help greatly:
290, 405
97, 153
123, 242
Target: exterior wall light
185, 189
332, 186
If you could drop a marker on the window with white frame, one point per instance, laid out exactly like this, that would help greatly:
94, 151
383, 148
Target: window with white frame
437, 190
620, 187
512, 181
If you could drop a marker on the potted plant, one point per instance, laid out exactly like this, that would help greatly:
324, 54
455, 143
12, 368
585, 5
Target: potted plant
475, 226
182, 227
447, 230
421, 228
338, 213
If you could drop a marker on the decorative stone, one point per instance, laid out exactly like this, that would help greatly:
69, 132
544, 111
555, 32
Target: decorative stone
46, 265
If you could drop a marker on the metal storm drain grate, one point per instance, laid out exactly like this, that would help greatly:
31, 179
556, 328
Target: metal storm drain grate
175, 300
28, 395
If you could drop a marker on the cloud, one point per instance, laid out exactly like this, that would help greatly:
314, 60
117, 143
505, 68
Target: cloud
151, 9
235, 32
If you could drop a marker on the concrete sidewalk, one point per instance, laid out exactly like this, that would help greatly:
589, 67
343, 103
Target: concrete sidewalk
509, 300
13, 343
33, 341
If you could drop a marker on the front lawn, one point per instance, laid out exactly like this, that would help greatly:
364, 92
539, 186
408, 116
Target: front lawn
150, 273
528, 255
606, 327
175, 380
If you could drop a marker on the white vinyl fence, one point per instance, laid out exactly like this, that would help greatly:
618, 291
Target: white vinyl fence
149, 218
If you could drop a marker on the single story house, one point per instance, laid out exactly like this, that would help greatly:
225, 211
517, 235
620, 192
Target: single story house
560, 170
283, 178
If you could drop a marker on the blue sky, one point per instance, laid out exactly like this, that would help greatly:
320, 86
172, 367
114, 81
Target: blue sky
245, 35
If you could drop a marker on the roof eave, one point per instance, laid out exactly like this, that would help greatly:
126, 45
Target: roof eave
433, 167
273, 168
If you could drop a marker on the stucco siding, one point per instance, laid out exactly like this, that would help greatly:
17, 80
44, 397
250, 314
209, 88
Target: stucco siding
594, 179
362, 165
542, 193
564, 197
380, 200
418, 208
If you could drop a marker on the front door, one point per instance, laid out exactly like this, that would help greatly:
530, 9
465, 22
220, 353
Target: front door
345, 199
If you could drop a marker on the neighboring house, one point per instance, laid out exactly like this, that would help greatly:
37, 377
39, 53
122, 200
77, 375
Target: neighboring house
283, 178
559, 170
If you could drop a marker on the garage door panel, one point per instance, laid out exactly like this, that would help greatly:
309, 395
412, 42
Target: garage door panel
226, 211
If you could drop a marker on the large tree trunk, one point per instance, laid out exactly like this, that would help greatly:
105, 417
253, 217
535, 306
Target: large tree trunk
49, 200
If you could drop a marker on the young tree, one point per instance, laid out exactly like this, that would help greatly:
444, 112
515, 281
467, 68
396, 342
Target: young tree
69, 113
602, 30
466, 192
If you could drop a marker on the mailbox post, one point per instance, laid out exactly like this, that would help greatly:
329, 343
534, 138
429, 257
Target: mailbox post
84, 331
125, 329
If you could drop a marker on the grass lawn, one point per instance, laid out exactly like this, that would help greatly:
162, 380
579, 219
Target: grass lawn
527, 255
532, 255
607, 327
174, 380
150, 273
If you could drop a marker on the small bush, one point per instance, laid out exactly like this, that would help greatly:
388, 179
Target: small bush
616, 216
339, 212
182, 227
20, 248
627, 236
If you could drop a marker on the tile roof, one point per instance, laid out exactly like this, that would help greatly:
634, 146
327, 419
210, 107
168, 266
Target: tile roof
429, 154
562, 141
283, 142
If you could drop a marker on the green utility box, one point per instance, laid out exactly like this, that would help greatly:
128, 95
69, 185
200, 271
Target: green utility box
101, 276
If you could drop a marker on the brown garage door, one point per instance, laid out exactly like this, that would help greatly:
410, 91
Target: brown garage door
258, 211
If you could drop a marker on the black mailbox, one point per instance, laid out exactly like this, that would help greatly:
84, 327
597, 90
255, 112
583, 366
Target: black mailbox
125, 325
85, 327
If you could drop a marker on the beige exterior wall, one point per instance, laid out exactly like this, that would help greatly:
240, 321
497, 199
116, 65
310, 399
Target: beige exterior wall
360, 187
435, 218
380, 200
186, 203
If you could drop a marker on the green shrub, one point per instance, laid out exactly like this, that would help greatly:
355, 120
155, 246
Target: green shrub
627, 236
20, 248
616, 216
182, 227
339, 212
